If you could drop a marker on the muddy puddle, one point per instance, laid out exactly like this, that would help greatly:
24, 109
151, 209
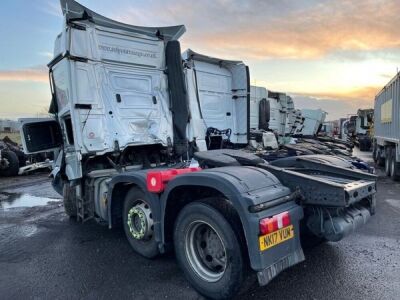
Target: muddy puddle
9, 200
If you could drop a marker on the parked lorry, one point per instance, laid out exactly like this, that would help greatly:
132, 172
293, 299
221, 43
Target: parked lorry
294, 132
359, 129
132, 152
386, 140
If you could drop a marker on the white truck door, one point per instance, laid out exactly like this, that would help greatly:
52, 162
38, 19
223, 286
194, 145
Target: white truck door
40, 135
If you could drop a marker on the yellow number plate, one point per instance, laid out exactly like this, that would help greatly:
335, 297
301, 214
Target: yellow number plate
272, 239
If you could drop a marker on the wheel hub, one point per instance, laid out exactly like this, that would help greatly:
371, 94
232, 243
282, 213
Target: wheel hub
140, 221
205, 251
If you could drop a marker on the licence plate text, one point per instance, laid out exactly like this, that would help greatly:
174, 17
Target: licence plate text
274, 238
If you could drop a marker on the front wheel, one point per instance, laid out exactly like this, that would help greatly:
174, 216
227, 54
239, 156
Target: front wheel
208, 251
69, 200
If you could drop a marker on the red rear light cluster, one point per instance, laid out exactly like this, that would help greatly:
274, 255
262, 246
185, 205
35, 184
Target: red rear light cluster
274, 223
156, 180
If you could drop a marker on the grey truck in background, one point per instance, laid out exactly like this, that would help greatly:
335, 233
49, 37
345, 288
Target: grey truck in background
386, 141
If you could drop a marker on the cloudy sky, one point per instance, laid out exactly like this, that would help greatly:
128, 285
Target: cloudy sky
334, 55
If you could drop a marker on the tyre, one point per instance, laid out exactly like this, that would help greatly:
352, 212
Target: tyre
308, 239
138, 223
69, 200
375, 154
208, 251
387, 161
380, 161
361, 145
394, 166
9, 164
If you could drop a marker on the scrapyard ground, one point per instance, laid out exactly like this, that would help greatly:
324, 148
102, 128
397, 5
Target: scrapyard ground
44, 254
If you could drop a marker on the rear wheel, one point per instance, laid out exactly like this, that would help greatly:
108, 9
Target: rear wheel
9, 164
362, 145
379, 160
208, 251
139, 224
394, 166
388, 155
375, 154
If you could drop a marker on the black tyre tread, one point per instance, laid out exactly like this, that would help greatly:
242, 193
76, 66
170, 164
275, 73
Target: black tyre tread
380, 159
374, 154
395, 169
69, 200
387, 161
148, 249
308, 239
229, 285
13, 167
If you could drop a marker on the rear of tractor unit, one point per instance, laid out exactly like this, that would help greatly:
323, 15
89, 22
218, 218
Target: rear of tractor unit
134, 127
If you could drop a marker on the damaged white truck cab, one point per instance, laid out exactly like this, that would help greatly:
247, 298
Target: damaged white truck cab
130, 114
110, 89
218, 97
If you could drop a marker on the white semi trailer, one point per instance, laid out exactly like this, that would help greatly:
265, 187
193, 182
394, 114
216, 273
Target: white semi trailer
386, 140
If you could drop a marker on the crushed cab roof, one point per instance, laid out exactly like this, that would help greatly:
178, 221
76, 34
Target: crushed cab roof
73, 11
190, 54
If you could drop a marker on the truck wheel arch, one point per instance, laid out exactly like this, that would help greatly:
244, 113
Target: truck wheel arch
119, 187
195, 187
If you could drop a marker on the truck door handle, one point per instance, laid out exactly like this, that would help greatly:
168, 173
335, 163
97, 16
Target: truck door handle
228, 114
118, 96
154, 100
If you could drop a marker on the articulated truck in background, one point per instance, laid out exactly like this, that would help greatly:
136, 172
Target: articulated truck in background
149, 142
360, 127
386, 141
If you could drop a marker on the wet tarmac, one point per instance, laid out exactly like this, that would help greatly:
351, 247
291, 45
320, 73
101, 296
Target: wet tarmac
46, 255
13, 200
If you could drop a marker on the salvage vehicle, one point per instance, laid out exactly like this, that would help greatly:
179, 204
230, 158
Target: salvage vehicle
11, 157
359, 129
13, 160
386, 140
134, 150
271, 116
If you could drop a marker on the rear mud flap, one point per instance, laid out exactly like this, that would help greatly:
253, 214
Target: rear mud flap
266, 275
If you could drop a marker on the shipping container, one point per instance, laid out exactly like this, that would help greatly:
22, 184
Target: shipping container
387, 127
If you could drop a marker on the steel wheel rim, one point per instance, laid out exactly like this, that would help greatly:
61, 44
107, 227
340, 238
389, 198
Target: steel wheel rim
140, 221
205, 251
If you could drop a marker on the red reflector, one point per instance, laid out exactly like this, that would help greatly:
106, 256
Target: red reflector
274, 223
156, 180
286, 219
268, 225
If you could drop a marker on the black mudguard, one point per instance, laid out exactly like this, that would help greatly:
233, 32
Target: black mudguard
246, 187
136, 178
